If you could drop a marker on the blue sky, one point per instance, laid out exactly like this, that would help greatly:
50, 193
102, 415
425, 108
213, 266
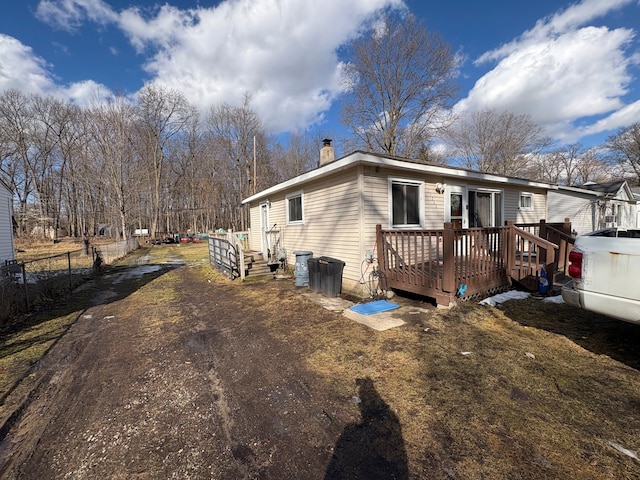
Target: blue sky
574, 67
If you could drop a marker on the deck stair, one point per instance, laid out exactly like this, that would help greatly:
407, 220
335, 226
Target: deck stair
256, 265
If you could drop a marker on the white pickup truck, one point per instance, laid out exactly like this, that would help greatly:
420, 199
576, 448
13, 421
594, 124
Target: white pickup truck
605, 267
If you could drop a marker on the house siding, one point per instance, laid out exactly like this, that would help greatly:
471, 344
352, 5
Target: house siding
341, 210
512, 210
7, 250
580, 208
331, 214
588, 210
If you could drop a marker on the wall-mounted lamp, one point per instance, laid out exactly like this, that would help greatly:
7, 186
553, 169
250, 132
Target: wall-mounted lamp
441, 187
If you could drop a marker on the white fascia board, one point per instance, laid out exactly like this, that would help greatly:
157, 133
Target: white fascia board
453, 172
323, 171
584, 191
370, 159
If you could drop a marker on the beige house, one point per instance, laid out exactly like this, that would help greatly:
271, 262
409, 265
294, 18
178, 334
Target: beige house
333, 210
594, 206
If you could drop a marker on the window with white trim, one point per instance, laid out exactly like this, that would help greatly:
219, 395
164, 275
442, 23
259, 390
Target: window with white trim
295, 209
526, 201
406, 203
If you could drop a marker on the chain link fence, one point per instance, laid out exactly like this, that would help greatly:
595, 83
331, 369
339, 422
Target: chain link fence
35, 283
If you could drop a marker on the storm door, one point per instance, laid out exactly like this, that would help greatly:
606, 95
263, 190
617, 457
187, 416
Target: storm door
456, 208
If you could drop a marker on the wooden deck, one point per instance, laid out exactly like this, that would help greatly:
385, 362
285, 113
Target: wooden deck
445, 264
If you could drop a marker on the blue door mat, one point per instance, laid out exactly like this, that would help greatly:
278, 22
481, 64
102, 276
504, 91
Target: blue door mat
378, 306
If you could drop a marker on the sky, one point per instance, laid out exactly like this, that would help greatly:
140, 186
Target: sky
573, 67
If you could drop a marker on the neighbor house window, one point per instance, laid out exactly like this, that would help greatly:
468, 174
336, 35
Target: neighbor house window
406, 203
294, 208
526, 201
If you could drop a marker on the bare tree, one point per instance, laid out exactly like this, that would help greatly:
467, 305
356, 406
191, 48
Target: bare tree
162, 115
111, 131
624, 148
233, 131
571, 165
299, 155
592, 168
501, 143
399, 84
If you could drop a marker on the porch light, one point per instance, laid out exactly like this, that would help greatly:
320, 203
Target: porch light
441, 187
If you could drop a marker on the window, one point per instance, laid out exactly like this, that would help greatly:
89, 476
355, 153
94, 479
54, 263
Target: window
405, 203
526, 201
294, 208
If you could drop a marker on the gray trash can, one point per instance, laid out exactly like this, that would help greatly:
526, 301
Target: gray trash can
331, 276
301, 271
314, 274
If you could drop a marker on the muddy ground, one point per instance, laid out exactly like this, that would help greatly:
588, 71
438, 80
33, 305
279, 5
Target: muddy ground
191, 386
173, 371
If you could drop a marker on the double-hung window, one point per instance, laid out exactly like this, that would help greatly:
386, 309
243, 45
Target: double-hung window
526, 201
406, 203
295, 209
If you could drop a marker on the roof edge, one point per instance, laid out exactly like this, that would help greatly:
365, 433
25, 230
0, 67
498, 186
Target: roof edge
360, 157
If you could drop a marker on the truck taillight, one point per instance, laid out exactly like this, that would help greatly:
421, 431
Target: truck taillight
575, 269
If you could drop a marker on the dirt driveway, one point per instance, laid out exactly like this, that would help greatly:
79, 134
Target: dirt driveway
180, 379
175, 372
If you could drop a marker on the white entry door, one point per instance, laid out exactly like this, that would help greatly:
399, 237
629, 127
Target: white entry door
456, 206
264, 228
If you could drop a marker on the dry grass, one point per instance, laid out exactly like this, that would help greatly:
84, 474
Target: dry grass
32, 249
480, 395
22, 348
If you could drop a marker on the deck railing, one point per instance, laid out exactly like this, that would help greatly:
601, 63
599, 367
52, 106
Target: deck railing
446, 263
528, 254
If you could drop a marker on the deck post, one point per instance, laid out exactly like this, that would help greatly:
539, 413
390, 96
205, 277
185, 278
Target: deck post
542, 233
448, 260
511, 247
382, 260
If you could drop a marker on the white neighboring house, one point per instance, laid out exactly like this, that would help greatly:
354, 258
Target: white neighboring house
593, 206
7, 249
636, 195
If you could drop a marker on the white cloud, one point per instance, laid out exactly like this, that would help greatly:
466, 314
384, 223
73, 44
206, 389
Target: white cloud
283, 52
86, 93
561, 71
280, 52
21, 69
70, 14
620, 118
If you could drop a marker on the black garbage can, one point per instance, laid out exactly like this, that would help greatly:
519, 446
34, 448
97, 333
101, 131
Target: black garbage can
314, 274
301, 271
330, 276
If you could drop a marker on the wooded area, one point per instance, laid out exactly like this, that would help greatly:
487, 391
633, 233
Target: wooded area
156, 164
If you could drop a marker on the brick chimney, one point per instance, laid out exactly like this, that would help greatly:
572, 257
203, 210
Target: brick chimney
326, 152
